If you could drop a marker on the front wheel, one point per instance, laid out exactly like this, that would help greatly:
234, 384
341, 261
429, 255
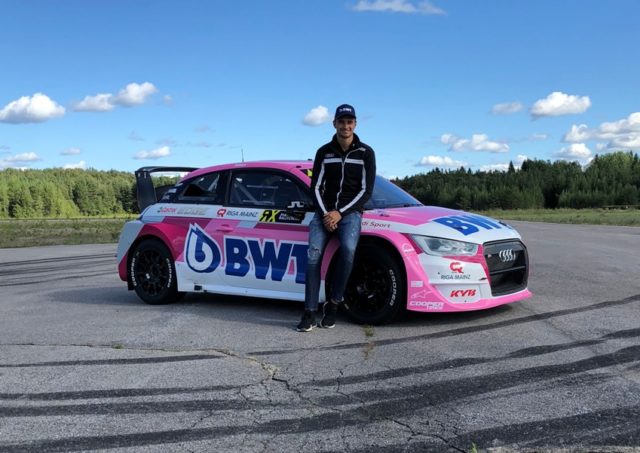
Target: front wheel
153, 273
376, 292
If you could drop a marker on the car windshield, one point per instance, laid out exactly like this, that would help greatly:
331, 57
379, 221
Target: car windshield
387, 195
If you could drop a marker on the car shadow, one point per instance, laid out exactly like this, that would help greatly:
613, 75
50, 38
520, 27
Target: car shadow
255, 310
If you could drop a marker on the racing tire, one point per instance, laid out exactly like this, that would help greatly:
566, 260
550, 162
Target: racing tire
376, 291
153, 273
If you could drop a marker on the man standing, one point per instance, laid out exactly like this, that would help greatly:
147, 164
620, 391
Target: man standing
344, 172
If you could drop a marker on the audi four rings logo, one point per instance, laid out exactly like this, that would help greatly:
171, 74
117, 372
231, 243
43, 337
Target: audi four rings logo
506, 255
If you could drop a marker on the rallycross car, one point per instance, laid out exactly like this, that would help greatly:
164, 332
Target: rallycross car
242, 229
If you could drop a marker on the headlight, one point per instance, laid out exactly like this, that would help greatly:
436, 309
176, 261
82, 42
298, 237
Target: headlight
445, 247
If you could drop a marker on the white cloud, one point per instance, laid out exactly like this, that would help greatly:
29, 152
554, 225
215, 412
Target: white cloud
520, 158
576, 152
202, 129
439, 161
494, 167
478, 142
167, 100
157, 153
82, 165
398, 6
578, 133
16, 160
70, 152
538, 137
559, 103
134, 94
23, 157
620, 135
507, 108
131, 95
102, 102
31, 109
317, 116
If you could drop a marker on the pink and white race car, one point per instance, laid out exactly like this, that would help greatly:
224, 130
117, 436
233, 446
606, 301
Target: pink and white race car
242, 229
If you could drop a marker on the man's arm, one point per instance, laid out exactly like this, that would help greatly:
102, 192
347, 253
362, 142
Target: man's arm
317, 177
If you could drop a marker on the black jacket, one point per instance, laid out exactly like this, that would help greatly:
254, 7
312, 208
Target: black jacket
343, 181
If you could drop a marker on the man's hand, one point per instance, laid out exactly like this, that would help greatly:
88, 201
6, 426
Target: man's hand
331, 219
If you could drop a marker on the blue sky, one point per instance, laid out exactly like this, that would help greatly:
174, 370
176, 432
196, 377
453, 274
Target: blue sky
123, 84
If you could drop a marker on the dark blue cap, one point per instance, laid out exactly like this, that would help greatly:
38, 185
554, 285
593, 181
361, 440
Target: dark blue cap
345, 110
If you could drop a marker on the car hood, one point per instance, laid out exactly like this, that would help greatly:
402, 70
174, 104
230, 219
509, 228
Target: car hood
439, 222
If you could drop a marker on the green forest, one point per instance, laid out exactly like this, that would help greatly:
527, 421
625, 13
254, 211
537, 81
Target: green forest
609, 180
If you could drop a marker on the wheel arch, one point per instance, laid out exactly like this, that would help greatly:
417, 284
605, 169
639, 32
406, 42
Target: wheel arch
146, 235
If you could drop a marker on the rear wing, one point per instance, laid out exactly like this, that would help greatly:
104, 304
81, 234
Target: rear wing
147, 194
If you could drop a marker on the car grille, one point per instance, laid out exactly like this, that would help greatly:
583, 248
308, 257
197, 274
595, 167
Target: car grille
508, 264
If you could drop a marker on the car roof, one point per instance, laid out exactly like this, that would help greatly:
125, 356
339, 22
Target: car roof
286, 165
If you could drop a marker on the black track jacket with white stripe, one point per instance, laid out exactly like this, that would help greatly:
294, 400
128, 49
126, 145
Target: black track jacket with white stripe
343, 181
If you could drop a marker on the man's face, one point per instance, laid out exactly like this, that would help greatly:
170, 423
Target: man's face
345, 127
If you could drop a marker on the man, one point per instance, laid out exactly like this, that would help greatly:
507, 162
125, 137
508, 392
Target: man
344, 172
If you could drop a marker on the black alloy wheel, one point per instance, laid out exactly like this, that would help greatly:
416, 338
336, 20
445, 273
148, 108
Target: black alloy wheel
153, 273
376, 292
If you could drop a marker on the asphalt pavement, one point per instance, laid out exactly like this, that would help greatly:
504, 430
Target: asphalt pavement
85, 365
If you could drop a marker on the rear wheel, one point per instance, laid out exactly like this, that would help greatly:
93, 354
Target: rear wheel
376, 292
153, 273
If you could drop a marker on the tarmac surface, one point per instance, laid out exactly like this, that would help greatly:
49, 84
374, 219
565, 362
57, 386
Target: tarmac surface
85, 365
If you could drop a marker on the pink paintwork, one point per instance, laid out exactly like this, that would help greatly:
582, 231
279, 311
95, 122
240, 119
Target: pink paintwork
433, 283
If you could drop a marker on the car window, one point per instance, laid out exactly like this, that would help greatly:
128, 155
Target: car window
267, 189
387, 195
208, 189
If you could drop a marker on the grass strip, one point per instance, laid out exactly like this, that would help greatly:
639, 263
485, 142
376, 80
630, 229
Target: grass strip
33, 233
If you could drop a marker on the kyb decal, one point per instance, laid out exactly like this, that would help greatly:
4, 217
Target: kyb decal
468, 224
463, 293
245, 256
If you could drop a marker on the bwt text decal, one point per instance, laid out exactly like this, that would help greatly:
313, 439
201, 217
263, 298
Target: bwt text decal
245, 256
468, 224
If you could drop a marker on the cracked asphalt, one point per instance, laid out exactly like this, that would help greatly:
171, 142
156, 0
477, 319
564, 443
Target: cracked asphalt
85, 365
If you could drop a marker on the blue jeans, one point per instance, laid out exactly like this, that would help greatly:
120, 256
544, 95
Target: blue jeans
348, 233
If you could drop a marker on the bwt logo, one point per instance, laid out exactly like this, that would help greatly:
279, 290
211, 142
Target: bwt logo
468, 224
244, 256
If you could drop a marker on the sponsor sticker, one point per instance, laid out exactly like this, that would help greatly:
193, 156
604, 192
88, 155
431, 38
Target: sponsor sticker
278, 216
468, 224
244, 256
428, 305
462, 293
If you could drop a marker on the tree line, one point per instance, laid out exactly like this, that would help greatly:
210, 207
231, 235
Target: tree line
611, 179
